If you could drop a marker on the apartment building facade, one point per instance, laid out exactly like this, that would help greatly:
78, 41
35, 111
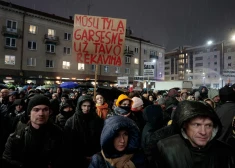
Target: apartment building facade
203, 65
37, 47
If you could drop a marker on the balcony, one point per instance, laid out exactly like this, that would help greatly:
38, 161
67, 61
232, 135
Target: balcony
128, 52
51, 39
17, 33
153, 56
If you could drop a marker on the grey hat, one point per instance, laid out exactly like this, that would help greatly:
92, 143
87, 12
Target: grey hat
213, 93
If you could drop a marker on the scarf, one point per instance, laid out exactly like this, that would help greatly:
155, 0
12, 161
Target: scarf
121, 162
102, 110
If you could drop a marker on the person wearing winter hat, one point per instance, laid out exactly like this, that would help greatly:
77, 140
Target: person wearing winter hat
102, 108
34, 139
183, 95
213, 94
137, 111
123, 105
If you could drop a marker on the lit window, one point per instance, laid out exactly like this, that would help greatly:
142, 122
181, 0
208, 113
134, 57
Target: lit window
32, 45
32, 29
66, 65
81, 66
10, 42
31, 61
51, 32
136, 61
10, 59
49, 63
50, 48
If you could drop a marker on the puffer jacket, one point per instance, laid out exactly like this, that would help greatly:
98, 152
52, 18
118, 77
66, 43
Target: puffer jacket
176, 151
110, 130
82, 132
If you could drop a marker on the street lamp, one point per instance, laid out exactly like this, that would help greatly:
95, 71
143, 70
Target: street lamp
233, 38
209, 42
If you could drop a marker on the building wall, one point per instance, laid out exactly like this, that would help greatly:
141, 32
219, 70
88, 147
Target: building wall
41, 55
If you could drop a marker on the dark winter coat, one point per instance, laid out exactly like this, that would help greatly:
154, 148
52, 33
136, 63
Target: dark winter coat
82, 134
110, 130
226, 113
176, 151
29, 147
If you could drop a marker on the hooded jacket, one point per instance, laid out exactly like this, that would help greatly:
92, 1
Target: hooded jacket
83, 133
112, 126
176, 151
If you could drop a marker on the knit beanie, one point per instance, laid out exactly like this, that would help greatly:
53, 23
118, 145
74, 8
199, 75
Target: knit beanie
37, 100
212, 93
137, 102
123, 97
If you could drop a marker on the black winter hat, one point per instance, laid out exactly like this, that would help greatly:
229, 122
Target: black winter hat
37, 100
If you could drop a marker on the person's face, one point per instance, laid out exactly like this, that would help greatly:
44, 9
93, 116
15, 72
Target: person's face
39, 115
18, 107
12, 98
68, 109
216, 99
184, 96
150, 98
203, 90
125, 103
121, 140
4, 93
86, 106
99, 99
58, 90
63, 99
199, 131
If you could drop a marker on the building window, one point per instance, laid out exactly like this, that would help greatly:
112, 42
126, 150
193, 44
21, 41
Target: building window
136, 72
67, 51
127, 60
215, 63
106, 68
67, 36
66, 65
93, 67
127, 70
11, 26
127, 47
229, 57
10, 42
136, 61
49, 63
215, 56
51, 32
31, 61
50, 48
10, 59
145, 51
32, 45
198, 58
172, 78
32, 29
81, 66
198, 64
229, 64
117, 70
136, 50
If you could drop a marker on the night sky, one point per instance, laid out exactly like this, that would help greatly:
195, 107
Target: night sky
170, 23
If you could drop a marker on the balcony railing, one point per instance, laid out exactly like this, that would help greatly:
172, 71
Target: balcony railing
153, 56
17, 33
53, 39
128, 52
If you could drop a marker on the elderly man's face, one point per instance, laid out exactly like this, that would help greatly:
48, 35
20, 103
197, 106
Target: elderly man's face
199, 131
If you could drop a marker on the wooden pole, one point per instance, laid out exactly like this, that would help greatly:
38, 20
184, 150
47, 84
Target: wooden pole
96, 71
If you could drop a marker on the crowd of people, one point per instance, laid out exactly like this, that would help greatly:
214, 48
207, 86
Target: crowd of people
136, 130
